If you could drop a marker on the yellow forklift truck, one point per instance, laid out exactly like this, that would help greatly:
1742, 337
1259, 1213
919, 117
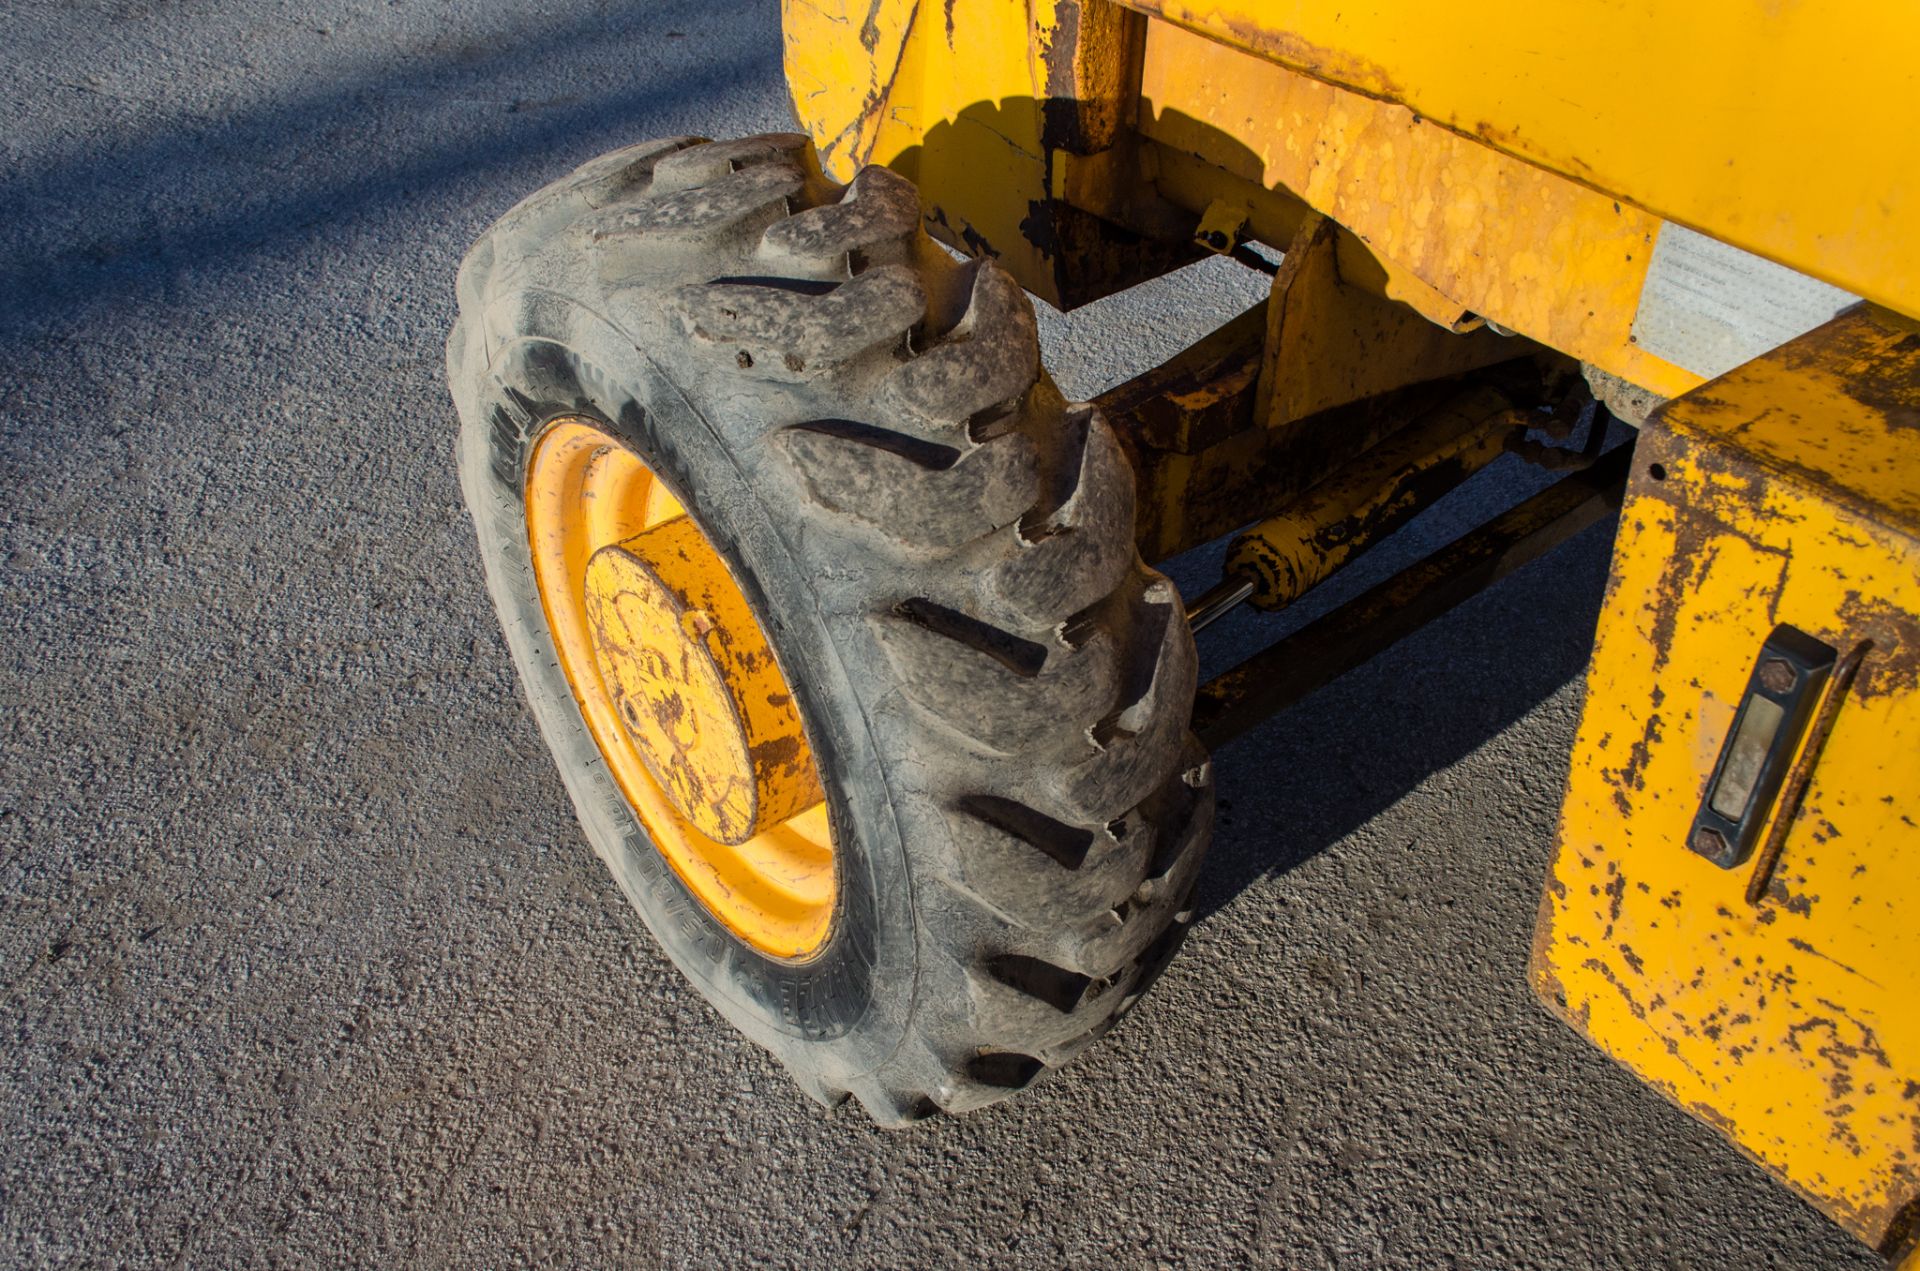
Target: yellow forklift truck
842, 623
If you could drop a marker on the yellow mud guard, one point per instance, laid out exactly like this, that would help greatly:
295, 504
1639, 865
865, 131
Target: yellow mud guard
1729, 912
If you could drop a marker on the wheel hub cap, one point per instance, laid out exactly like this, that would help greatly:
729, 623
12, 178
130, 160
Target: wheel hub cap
688, 671
680, 690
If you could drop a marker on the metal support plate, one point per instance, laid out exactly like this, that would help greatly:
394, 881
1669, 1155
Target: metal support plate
1709, 307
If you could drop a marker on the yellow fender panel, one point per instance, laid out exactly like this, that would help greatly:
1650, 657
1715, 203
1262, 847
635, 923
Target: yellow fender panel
1780, 493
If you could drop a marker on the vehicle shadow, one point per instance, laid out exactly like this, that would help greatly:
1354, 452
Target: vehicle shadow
1319, 771
117, 218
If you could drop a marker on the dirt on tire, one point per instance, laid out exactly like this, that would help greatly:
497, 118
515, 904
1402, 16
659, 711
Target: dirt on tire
940, 547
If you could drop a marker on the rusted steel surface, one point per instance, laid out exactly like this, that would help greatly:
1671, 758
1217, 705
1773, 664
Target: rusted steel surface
1291, 552
1200, 396
1284, 673
1329, 343
1089, 58
1266, 407
1780, 493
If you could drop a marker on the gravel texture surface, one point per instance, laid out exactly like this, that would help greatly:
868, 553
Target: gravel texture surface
305, 960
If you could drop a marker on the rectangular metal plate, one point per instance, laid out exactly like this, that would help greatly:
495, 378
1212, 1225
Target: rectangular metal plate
1709, 307
1781, 695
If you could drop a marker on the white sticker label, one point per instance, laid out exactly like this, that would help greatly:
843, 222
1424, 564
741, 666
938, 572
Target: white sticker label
1709, 307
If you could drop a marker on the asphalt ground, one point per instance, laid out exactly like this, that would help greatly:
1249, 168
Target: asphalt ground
305, 960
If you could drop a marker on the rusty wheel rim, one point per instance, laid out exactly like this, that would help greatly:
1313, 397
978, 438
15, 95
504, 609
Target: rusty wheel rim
680, 689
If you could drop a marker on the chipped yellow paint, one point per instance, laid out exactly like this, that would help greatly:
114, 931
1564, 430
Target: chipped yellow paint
872, 79
680, 690
1781, 492
1533, 251
1529, 197
958, 99
1781, 128
695, 685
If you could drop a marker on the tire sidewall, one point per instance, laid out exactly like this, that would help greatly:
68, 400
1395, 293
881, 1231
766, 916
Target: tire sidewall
846, 1007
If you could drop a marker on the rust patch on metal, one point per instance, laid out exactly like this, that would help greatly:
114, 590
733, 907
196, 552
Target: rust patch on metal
1630, 776
1796, 788
1892, 666
1729, 529
1892, 390
1348, 70
1606, 973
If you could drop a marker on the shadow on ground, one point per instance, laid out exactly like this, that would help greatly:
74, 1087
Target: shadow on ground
1312, 775
113, 222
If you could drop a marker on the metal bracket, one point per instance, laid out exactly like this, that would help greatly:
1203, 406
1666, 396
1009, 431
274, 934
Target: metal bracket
1781, 695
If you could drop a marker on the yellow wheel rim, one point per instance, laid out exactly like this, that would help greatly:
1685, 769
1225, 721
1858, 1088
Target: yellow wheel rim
680, 689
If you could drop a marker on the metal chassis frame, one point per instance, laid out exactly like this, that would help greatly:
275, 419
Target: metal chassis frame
1122, 147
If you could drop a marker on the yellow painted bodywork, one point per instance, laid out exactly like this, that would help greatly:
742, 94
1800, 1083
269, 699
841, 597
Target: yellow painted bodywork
951, 100
958, 99
1785, 129
1330, 343
680, 690
1515, 167
1782, 492
1454, 227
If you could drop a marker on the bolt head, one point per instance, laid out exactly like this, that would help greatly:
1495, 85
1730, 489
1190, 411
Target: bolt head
1777, 675
1710, 842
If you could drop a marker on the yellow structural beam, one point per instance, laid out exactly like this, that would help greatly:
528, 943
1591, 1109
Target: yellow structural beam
1784, 129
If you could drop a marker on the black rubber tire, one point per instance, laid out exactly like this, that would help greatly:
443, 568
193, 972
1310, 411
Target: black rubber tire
940, 548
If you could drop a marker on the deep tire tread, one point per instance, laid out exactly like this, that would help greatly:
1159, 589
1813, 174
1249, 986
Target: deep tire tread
1060, 805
